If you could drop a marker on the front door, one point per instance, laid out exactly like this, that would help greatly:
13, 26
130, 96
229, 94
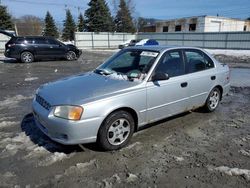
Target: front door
168, 97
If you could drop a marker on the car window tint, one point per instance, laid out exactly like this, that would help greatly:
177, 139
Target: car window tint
172, 64
28, 41
51, 41
138, 60
198, 61
124, 60
40, 41
209, 62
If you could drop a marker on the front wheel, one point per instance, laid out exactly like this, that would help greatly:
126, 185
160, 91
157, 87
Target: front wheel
116, 130
27, 57
70, 56
213, 100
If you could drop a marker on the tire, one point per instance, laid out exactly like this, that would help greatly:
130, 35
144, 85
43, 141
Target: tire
71, 56
27, 57
213, 100
116, 131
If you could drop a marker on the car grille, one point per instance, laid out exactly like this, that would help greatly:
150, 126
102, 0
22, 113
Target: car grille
43, 102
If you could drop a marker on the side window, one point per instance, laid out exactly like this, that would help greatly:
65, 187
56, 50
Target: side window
51, 41
209, 62
28, 41
172, 64
198, 61
40, 41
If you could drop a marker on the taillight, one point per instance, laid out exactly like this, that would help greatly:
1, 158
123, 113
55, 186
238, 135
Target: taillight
10, 45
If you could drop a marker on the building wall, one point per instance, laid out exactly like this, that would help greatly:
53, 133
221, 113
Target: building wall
185, 23
218, 24
204, 24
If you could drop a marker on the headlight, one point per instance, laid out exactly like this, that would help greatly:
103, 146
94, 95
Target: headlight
68, 112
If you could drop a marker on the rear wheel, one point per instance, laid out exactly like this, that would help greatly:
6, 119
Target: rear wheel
27, 57
116, 130
70, 56
213, 100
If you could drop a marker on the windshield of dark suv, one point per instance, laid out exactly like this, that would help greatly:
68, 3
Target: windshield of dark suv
131, 64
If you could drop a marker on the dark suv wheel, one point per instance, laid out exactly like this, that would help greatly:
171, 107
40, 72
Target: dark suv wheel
70, 56
27, 57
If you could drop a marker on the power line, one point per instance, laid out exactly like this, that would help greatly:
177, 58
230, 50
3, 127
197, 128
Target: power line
47, 3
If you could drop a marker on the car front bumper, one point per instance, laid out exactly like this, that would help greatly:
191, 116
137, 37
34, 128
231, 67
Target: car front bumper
63, 131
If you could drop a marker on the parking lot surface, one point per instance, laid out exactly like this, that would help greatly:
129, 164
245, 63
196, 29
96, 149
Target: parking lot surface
194, 149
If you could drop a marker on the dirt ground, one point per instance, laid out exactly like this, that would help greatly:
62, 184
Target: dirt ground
194, 149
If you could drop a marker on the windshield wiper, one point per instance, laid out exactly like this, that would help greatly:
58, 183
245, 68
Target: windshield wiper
103, 71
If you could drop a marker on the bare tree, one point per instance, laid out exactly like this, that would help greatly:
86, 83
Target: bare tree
29, 25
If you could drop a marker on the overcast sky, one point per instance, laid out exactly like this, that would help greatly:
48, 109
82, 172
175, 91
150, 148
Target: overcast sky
160, 9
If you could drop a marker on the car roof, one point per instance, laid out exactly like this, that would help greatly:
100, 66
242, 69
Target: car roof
160, 48
35, 37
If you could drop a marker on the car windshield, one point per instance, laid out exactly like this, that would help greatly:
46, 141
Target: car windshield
130, 64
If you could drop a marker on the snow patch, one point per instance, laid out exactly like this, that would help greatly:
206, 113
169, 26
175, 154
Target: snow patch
237, 53
55, 157
231, 171
178, 159
245, 152
12, 101
7, 123
108, 182
131, 177
79, 167
30, 79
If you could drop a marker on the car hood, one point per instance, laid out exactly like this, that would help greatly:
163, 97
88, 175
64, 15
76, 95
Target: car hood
83, 88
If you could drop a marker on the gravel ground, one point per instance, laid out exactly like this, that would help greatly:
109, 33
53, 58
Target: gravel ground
189, 150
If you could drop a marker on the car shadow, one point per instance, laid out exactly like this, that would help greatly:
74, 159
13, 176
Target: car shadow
7, 60
39, 138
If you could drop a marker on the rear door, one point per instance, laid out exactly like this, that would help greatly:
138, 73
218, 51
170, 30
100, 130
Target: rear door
201, 76
168, 97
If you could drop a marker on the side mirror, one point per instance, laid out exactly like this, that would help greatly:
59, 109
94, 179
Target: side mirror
159, 76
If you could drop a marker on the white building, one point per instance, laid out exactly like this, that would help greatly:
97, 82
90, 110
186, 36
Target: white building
203, 24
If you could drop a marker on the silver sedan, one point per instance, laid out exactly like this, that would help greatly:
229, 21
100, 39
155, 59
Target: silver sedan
135, 87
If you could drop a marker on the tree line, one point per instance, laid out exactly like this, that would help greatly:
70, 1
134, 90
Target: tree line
97, 18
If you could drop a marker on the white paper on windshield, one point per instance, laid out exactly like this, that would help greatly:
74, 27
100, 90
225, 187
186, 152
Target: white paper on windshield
151, 54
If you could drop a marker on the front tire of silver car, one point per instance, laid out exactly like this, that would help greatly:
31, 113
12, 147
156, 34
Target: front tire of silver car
213, 100
71, 56
116, 130
27, 57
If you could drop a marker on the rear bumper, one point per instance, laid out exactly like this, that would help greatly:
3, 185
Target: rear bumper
8, 53
65, 131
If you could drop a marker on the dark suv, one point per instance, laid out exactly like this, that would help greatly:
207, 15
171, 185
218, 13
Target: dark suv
27, 49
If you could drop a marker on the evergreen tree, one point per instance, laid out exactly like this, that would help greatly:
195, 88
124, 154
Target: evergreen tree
69, 27
50, 27
98, 17
123, 20
5, 19
81, 24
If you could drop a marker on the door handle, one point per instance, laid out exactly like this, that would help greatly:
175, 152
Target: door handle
213, 77
184, 84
